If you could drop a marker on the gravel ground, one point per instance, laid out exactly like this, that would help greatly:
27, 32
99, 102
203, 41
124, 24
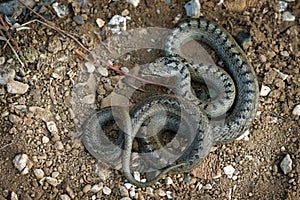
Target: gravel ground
41, 156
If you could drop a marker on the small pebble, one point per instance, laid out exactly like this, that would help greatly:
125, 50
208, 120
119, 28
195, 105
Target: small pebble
61, 11
282, 6
296, 110
125, 198
86, 188
2, 60
286, 164
168, 180
78, 19
100, 22
288, 16
128, 185
45, 139
161, 193
135, 3
137, 175
125, 12
51, 126
124, 191
169, 195
106, 190
90, 67
39, 173
65, 197
15, 87
22, 163
192, 8
13, 196
59, 145
96, 188
52, 181
284, 53
207, 187
265, 90
229, 170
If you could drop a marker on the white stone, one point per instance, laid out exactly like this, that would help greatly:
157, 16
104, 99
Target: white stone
128, 185
106, 190
39, 173
169, 195
100, 22
282, 6
16, 87
161, 193
137, 175
207, 187
13, 196
288, 16
244, 136
22, 163
90, 67
135, 3
51, 126
168, 180
296, 110
118, 24
52, 181
192, 8
229, 170
64, 197
96, 188
286, 164
45, 139
265, 90
124, 191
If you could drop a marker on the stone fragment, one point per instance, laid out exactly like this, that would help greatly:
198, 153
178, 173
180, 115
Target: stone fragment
22, 163
286, 164
106, 190
39, 173
52, 181
265, 90
296, 110
16, 87
229, 170
100, 22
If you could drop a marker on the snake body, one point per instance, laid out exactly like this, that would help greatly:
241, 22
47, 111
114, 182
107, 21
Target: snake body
240, 101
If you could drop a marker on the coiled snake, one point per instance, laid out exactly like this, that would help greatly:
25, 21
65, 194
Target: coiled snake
224, 119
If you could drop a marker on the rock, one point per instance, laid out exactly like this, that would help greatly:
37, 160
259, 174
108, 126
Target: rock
86, 188
288, 16
70, 192
59, 145
15, 87
2, 60
168, 180
90, 67
118, 24
89, 99
125, 198
207, 187
96, 188
150, 191
6, 76
137, 175
192, 8
282, 6
296, 110
13, 196
124, 191
51, 126
125, 12
132, 193
286, 164
244, 136
78, 19
265, 90
22, 163
45, 139
55, 174
52, 181
64, 197
61, 11
100, 22
169, 195
39, 173
128, 185
15, 119
284, 53
229, 170
161, 192
106, 190
135, 3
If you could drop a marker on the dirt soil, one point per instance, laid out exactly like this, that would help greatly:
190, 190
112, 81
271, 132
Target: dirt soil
53, 62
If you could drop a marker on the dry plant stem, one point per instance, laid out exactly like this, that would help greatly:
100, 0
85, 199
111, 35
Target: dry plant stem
12, 48
53, 26
7, 33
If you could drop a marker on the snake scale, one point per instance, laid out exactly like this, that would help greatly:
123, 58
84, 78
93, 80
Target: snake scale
240, 101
